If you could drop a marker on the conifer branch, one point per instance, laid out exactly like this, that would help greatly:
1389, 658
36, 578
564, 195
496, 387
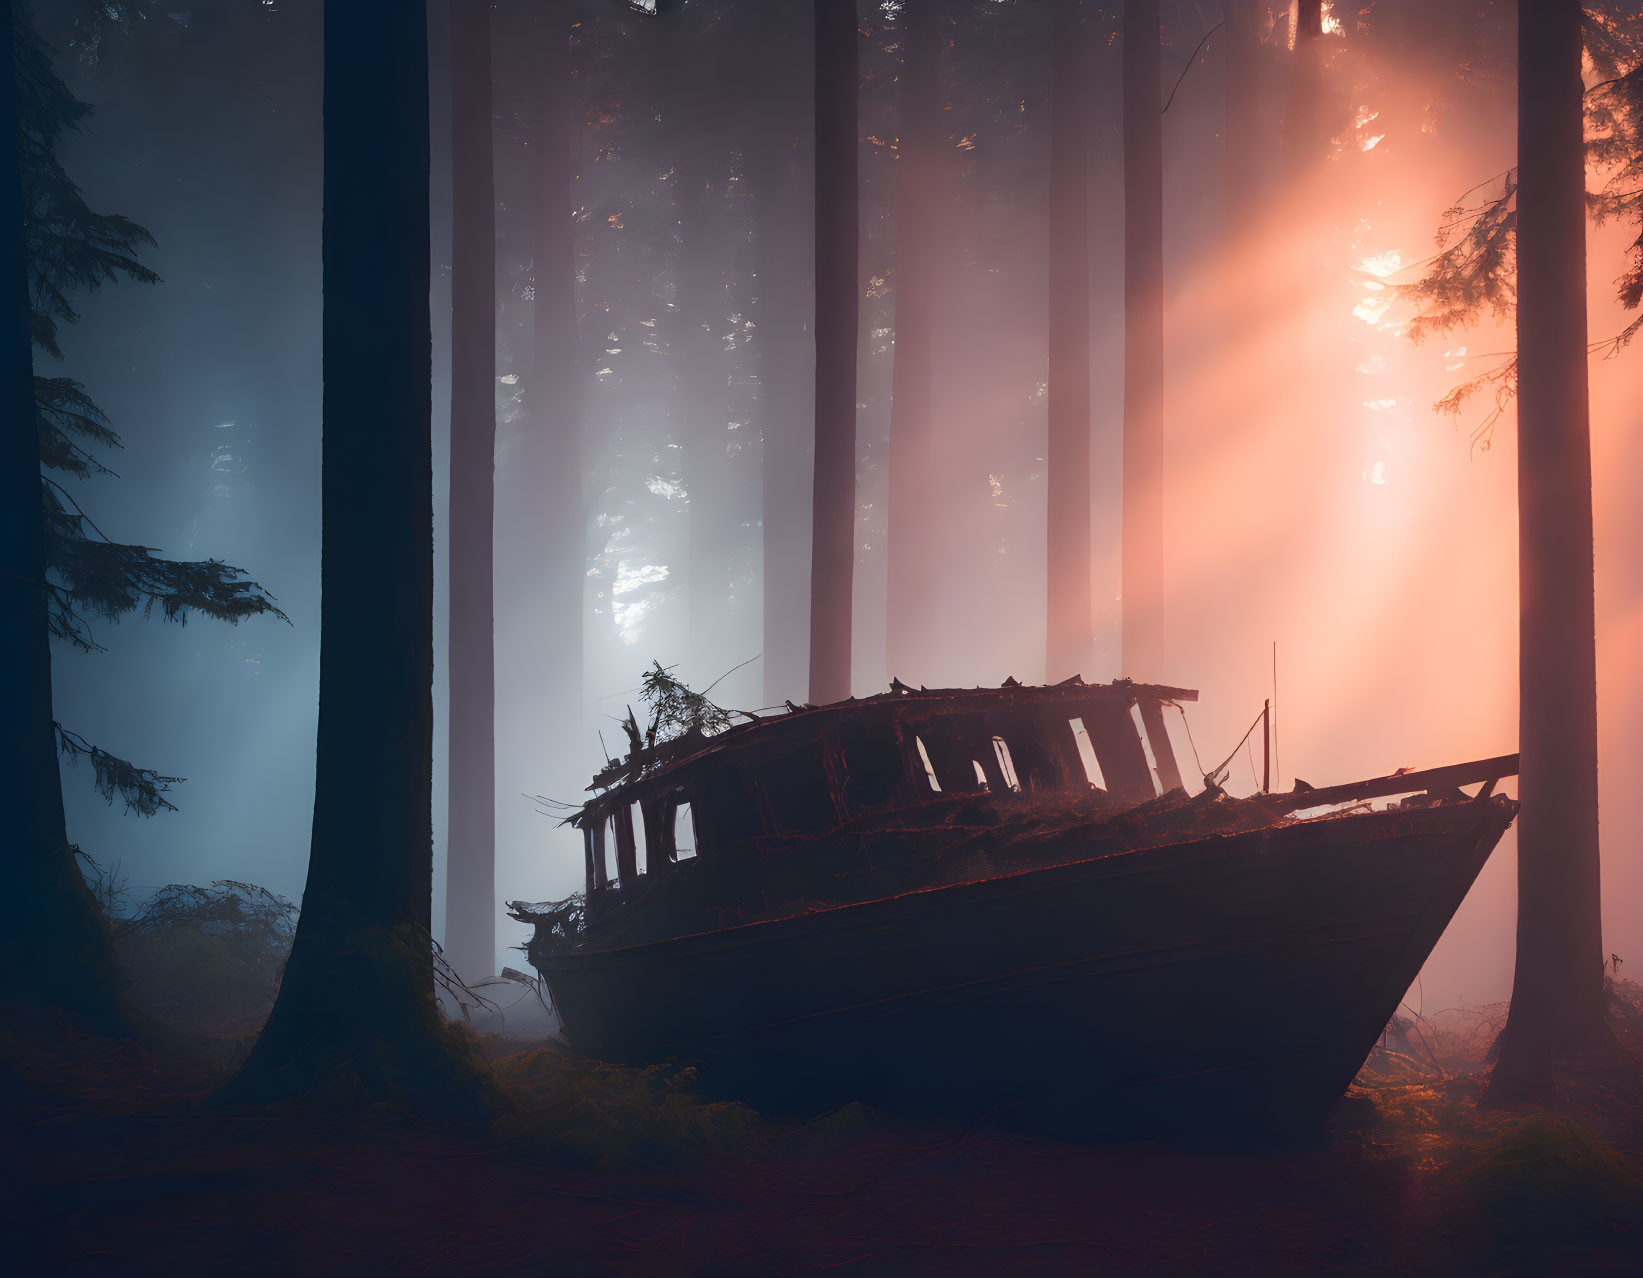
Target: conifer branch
142, 790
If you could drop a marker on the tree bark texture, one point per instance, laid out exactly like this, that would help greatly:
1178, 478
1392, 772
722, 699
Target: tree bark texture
470, 871
1557, 992
1143, 519
1070, 623
833, 541
355, 1020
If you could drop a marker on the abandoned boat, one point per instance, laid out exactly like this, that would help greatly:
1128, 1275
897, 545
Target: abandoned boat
1003, 900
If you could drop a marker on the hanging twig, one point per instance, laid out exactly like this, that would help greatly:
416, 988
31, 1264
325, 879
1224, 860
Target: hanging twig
1190, 61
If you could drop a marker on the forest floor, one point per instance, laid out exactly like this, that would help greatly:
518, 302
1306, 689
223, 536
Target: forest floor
118, 1169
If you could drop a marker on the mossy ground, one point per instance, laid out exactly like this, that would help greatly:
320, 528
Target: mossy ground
593, 1168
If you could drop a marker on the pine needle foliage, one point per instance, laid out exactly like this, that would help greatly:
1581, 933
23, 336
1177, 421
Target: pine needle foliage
72, 249
1475, 268
1614, 120
96, 577
142, 790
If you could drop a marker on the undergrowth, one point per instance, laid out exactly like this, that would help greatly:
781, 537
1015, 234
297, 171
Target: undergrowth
588, 1113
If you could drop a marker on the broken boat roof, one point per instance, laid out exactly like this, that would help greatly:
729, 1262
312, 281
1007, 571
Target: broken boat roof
667, 755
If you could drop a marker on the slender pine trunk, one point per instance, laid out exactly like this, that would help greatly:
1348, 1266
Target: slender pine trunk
711, 526
833, 544
1306, 134
470, 874
1244, 176
54, 942
787, 402
1557, 993
1070, 633
1143, 519
554, 393
914, 582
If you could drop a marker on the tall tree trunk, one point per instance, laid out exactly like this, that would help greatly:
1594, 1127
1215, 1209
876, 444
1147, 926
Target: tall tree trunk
914, 568
787, 402
711, 527
1244, 178
1557, 993
355, 1020
1143, 551
470, 871
833, 544
555, 390
54, 942
1070, 634
1306, 134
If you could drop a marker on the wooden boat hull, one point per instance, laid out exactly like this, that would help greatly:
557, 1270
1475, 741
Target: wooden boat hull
1223, 983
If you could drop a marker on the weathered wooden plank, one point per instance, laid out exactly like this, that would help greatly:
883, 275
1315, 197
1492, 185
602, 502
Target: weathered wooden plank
1446, 778
627, 855
1163, 753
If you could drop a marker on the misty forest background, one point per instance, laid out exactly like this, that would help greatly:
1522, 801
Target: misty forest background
654, 240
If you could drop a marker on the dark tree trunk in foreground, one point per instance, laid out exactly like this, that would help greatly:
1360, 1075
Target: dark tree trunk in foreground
1143, 517
833, 544
470, 872
914, 568
1557, 993
54, 943
553, 395
355, 1020
1070, 629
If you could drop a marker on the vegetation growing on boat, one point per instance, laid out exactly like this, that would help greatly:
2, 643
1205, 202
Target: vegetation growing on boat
676, 710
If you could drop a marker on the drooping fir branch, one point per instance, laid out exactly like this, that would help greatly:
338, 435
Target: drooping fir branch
63, 411
1502, 379
1614, 116
141, 789
1475, 268
69, 246
93, 576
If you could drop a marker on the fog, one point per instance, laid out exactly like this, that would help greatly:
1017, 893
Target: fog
1316, 505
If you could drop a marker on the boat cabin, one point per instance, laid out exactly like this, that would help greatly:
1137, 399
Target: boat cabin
871, 761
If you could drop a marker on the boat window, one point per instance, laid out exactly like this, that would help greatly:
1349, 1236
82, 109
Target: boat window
929, 768
1006, 765
641, 854
684, 833
1086, 755
607, 849
1146, 748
